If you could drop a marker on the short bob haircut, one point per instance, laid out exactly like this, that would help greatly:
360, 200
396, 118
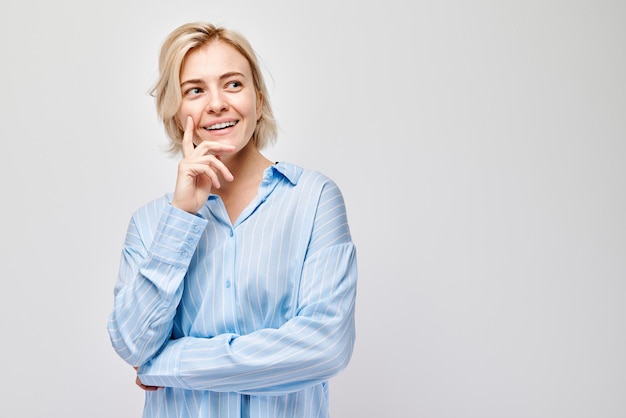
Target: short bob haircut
167, 88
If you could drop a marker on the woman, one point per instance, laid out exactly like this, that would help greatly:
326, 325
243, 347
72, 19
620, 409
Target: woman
236, 292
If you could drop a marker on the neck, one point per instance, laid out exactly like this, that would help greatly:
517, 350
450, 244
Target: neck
247, 166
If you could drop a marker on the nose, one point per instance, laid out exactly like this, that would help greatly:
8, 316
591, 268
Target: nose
216, 103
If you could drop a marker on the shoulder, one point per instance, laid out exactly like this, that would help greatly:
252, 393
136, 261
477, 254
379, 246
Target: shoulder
312, 188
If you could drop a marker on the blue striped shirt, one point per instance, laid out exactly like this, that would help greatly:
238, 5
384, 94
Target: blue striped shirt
248, 319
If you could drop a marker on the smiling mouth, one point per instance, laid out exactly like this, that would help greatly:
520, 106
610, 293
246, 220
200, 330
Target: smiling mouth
218, 126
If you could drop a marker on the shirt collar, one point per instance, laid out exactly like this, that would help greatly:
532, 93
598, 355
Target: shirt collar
289, 171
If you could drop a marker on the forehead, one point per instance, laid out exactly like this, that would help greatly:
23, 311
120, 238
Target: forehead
214, 59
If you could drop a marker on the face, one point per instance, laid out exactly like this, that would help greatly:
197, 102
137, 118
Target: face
218, 93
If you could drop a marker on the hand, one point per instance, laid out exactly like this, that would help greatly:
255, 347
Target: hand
144, 387
198, 171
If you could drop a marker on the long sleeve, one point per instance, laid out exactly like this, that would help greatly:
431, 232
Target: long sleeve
154, 262
250, 317
310, 347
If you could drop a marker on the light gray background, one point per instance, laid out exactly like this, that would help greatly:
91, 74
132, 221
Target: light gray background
480, 146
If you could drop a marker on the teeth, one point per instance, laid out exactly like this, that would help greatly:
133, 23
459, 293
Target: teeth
221, 125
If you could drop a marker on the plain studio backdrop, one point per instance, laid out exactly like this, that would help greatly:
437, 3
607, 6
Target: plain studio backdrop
480, 147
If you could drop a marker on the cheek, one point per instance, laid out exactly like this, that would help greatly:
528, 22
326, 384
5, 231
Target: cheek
180, 117
183, 113
187, 107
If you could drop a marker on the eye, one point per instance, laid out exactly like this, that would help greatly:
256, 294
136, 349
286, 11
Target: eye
193, 91
233, 85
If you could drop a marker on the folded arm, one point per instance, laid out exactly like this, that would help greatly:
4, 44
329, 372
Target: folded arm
311, 347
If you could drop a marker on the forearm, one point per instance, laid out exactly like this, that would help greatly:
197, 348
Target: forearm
269, 362
142, 315
150, 286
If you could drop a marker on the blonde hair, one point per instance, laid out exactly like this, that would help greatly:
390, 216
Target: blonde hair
167, 90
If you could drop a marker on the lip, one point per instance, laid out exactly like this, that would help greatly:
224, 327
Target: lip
219, 132
218, 121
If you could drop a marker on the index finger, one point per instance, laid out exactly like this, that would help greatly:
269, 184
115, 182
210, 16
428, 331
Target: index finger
187, 144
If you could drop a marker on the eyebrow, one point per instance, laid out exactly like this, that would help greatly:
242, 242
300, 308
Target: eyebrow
222, 77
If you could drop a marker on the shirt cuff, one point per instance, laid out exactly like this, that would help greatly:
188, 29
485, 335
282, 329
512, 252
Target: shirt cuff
177, 236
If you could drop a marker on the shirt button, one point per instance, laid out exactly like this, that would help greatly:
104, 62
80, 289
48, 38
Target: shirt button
183, 254
227, 284
196, 228
231, 233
